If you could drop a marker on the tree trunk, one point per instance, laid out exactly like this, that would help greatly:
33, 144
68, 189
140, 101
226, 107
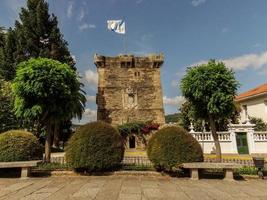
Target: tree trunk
56, 136
216, 139
48, 143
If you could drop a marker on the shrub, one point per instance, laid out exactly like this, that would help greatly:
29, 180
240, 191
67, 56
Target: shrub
18, 145
171, 146
95, 146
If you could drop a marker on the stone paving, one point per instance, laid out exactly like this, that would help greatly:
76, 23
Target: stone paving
130, 188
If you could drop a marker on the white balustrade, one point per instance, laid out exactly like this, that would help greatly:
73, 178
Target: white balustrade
260, 136
256, 141
207, 136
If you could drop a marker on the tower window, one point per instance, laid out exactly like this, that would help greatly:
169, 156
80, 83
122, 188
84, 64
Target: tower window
155, 65
123, 65
126, 64
136, 73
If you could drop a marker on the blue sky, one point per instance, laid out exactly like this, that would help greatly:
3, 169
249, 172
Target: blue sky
186, 31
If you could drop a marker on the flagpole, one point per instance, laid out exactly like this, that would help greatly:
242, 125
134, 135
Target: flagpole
125, 43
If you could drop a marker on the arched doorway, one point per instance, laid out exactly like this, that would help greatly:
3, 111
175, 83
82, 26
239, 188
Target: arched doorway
132, 142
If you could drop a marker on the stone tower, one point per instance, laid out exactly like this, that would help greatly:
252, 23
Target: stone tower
129, 89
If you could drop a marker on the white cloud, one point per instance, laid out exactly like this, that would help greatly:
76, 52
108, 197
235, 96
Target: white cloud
243, 62
174, 101
92, 26
91, 99
81, 15
147, 37
257, 45
83, 26
196, 3
90, 114
74, 58
174, 83
225, 30
91, 77
70, 9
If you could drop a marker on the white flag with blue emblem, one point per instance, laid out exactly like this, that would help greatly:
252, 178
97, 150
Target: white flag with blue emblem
117, 26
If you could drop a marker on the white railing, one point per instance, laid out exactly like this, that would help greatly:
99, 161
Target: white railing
207, 136
260, 136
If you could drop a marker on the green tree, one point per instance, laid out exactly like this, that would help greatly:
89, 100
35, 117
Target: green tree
49, 92
35, 35
8, 119
172, 118
2, 36
260, 125
187, 117
211, 88
2, 44
8, 69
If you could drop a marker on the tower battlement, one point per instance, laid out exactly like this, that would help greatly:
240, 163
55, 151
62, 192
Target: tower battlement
129, 61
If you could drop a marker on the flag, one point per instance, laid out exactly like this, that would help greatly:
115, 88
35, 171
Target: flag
117, 26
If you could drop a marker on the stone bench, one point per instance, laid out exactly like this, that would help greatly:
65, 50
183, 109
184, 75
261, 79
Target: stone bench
24, 165
227, 167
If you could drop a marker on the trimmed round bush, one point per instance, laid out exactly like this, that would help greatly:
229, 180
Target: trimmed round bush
19, 145
171, 146
95, 146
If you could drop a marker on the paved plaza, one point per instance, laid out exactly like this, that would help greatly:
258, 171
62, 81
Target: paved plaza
130, 188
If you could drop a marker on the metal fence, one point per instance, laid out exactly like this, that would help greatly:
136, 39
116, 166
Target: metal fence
144, 161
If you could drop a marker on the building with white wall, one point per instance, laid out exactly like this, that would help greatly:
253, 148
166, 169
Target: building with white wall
253, 103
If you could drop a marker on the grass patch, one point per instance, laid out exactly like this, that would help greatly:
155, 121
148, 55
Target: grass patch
250, 171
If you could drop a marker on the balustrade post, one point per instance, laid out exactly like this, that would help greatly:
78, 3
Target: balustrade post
250, 139
233, 140
191, 128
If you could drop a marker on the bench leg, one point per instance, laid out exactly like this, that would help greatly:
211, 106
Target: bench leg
194, 174
25, 172
229, 174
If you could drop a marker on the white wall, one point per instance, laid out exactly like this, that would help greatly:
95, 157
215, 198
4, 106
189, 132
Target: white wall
256, 107
209, 147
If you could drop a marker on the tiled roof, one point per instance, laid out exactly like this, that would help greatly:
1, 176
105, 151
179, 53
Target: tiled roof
253, 92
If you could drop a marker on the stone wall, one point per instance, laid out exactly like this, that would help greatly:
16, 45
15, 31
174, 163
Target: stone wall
129, 89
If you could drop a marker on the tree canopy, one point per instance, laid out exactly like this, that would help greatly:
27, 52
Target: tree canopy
35, 35
260, 125
211, 88
8, 119
49, 92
